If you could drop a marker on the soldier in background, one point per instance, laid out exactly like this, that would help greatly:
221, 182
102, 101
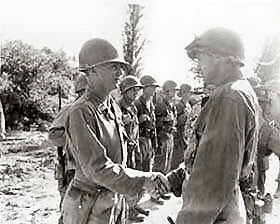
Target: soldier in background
269, 137
147, 122
166, 115
184, 112
65, 167
130, 88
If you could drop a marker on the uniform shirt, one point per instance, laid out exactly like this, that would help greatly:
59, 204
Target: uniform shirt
226, 130
130, 120
147, 119
166, 115
269, 139
183, 112
95, 136
56, 135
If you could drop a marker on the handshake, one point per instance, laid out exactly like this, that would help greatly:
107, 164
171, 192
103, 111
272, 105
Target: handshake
157, 185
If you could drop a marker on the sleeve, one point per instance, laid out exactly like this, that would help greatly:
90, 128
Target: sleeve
217, 164
90, 155
56, 132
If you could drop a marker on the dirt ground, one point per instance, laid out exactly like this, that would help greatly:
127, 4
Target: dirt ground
28, 190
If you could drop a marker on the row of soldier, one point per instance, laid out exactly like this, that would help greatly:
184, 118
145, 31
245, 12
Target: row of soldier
113, 148
155, 124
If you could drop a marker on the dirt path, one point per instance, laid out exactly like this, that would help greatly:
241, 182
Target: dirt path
28, 191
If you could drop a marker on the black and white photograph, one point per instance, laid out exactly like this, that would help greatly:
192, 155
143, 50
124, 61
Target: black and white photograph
140, 111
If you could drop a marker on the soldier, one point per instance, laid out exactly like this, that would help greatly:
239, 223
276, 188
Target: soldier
147, 122
65, 168
95, 135
269, 139
184, 112
226, 133
130, 88
166, 115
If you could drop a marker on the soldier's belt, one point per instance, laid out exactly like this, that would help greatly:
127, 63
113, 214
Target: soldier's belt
91, 189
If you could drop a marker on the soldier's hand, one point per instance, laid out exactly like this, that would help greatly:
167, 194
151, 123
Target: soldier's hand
157, 185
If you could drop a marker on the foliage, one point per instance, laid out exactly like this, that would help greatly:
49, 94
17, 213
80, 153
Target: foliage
268, 68
133, 42
29, 79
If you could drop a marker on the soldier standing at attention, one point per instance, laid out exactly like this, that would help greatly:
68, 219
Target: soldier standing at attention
65, 167
226, 131
166, 115
269, 138
147, 122
130, 88
184, 112
95, 135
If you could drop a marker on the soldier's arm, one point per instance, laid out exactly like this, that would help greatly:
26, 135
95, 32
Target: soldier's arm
92, 157
218, 162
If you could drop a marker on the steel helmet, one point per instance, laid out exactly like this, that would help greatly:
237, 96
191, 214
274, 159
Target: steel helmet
169, 84
220, 42
97, 51
129, 82
80, 83
184, 88
147, 80
254, 81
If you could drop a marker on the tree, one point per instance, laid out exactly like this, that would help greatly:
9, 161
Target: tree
133, 41
268, 68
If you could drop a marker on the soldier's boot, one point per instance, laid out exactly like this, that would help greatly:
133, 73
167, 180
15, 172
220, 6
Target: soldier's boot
141, 210
133, 216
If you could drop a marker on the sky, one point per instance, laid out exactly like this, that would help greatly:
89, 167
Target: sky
168, 26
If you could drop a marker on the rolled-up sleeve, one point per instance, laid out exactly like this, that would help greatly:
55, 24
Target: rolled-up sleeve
92, 159
217, 165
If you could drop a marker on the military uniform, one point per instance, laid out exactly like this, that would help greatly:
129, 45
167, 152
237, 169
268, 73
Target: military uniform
94, 133
65, 169
147, 132
212, 191
65, 166
226, 133
184, 112
166, 115
267, 143
131, 124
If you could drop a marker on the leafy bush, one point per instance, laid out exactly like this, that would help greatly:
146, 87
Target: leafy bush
29, 80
